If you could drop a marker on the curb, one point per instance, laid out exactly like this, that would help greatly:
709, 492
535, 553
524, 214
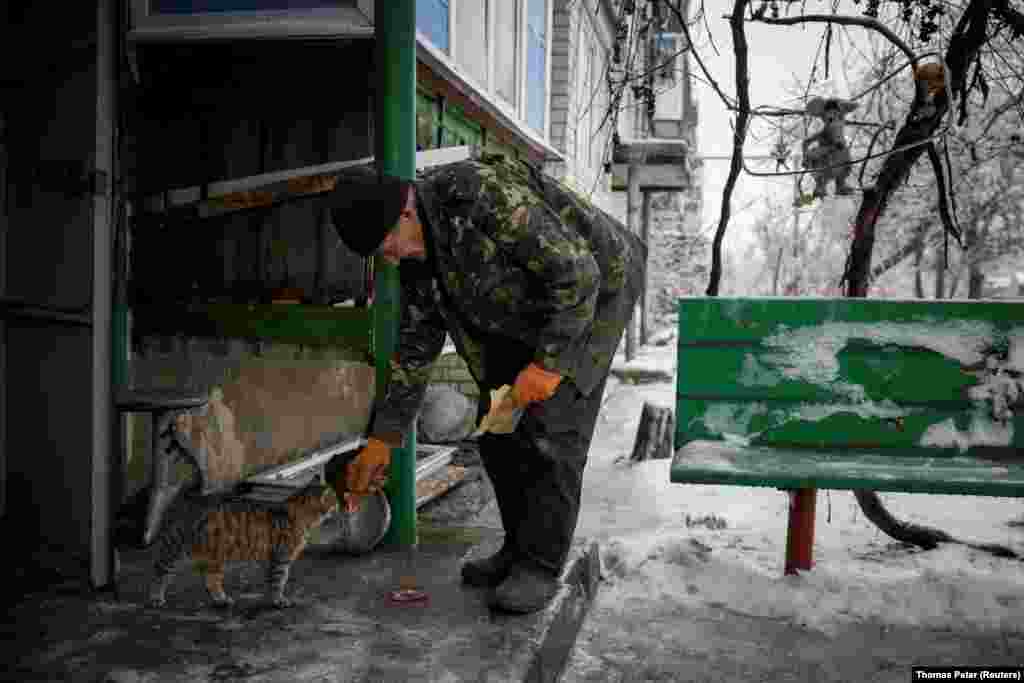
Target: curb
564, 616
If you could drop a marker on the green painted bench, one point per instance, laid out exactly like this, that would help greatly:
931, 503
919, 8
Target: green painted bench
884, 395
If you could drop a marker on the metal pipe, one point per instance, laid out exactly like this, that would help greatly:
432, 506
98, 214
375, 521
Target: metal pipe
395, 151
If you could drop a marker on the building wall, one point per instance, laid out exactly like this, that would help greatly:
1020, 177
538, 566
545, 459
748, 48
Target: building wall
581, 56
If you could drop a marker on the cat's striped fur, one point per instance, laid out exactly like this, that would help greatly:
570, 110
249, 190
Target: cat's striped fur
216, 529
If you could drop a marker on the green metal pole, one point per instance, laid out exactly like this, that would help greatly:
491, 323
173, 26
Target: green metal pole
395, 151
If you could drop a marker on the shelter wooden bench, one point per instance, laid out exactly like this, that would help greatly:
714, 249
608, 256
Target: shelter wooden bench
271, 488
883, 395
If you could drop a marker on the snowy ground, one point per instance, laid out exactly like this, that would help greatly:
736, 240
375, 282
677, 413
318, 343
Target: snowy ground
689, 566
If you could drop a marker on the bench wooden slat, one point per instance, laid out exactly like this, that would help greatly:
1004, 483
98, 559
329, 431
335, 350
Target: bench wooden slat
718, 462
901, 374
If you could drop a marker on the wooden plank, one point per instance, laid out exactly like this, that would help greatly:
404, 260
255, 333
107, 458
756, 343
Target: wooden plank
884, 370
717, 462
304, 324
739, 319
437, 485
267, 189
821, 425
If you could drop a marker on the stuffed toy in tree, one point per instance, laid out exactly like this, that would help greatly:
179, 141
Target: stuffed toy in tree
825, 153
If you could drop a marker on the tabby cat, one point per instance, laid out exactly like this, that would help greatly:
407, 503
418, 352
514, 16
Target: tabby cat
214, 529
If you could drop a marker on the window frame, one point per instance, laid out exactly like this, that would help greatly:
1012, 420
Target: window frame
488, 88
453, 8
678, 41
546, 107
448, 49
519, 84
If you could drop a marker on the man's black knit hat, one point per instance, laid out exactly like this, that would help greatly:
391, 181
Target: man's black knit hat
364, 208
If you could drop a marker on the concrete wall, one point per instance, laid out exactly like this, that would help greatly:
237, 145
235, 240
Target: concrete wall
269, 403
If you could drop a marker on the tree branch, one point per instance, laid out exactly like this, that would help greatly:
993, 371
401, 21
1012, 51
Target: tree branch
696, 55
1013, 18
922, 121
739, 40
863, 22
940, 180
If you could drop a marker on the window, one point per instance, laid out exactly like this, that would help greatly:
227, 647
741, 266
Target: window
667, 47
498, 46
536, 63
668, 84
471, 32
506, 49
432, 21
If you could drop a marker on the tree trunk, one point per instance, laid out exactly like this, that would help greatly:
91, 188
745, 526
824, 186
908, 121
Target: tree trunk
968, 38
905, 532
940, 278
975, 281
918, 279
778, 270
975, 276
654, 435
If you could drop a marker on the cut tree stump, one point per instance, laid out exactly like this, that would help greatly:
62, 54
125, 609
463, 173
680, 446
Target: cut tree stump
654, 435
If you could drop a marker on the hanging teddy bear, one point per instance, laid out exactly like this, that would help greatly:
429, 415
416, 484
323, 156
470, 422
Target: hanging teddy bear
829, 157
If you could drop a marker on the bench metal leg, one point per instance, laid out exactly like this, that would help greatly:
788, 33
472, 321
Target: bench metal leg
167, 445
800, 535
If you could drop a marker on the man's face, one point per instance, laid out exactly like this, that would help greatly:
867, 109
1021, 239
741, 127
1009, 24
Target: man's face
403, 240
390, 249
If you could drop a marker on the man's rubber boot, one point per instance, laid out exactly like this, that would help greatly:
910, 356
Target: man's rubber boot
489, 571
527, 589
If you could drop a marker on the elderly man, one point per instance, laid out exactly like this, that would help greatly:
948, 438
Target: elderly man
535, 287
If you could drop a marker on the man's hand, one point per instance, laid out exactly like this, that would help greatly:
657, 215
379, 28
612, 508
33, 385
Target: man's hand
352, 501
534, 384
367, 472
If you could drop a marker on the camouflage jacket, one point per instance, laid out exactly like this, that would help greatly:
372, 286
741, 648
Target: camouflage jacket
514, 259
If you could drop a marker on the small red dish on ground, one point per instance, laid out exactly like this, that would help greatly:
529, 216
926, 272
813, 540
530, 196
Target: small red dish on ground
407, 597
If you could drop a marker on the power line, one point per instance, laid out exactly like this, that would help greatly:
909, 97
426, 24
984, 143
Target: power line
728, 157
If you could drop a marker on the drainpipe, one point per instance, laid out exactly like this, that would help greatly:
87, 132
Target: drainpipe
395, 151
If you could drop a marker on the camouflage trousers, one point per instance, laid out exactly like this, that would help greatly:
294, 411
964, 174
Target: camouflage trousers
537, 472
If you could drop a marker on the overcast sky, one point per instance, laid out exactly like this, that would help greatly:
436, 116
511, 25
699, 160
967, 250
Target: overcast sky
777, 55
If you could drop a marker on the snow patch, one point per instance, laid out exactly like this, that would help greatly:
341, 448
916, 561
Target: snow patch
981, 432
732, 419
1015, 361
811, 353
813, 412
756, 374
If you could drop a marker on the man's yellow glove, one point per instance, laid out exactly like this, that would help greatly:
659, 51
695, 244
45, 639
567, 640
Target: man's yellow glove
367, 472
534, 384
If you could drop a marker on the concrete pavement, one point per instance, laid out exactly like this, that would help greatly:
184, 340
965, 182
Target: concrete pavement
341, 629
